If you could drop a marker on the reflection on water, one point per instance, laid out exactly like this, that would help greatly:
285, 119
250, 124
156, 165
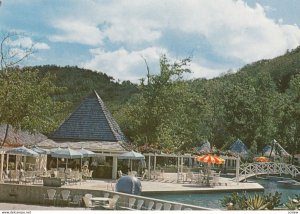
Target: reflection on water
212, 200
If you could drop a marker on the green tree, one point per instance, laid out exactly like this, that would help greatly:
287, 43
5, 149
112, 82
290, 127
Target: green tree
166, 114
289, 128
25, 98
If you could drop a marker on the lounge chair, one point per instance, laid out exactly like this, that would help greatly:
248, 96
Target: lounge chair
50, 196
145, 174
87, 202
177, 207
112, 203
167, 206
76, 200
88, 195
129, 206
150, 205
106, 195
120, 173
158, 206
139, 204
65, 197
190, 177
131, 202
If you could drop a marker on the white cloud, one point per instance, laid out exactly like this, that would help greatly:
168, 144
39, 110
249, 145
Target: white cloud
125, 65
234, 32
199, 71
133, 31
77, 31
26, 42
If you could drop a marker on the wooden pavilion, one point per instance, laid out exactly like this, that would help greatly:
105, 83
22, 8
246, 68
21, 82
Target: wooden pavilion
91, 126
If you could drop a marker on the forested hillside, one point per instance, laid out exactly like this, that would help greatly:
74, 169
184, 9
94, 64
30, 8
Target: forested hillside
78, 83
259, 103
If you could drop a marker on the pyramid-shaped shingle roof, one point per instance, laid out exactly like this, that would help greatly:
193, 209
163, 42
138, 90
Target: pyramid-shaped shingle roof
91, 121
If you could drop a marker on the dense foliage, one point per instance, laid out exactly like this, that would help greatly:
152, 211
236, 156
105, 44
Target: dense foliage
259, 103
26, 101
242, 201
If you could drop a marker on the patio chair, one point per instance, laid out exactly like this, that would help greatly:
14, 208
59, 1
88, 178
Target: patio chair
88, 195
50, 196
132, 173
87, 202
190, 177
85, 173
30, 176
76, 200
150, 205
65, 197
177, 207
90, 175
61, 169
131, 202
77, 177
139, 204
129, 205
120, 173
167, 206
106, 195
215, 180
116, 197
112, 203
13, 176
145, 174
158, 206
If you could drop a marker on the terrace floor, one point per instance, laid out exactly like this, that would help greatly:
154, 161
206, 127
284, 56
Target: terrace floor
147, 187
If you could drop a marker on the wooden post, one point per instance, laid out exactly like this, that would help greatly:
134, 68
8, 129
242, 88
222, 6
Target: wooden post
149, 166
114, 168
7, 162
154, 167
1, 165
237, 169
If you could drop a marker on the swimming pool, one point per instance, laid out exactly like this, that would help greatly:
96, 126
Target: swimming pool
212, 200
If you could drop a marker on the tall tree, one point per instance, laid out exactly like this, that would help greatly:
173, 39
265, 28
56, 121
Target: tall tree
166, 112
25, 98
289, 127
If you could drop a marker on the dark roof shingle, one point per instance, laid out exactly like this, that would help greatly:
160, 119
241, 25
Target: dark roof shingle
91, 121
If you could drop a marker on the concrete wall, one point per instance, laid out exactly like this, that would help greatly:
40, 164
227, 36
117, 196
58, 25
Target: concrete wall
34, 194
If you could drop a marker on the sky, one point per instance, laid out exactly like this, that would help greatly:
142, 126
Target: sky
115, 36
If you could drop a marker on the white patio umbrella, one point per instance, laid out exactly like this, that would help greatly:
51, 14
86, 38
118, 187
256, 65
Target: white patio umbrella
86, 154
22, 151
66, 153
42, 159
40, 151
53, 151
132, 155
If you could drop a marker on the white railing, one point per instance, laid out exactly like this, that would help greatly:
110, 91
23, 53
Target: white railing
253, 169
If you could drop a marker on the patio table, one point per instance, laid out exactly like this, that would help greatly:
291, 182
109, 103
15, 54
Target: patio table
99, 199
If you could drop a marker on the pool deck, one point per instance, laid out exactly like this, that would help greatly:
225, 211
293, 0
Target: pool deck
148, 187
227, 185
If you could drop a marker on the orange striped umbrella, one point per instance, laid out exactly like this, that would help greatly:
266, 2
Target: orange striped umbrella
210, 159
262, 159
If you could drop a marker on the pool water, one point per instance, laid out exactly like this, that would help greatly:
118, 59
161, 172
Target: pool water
212, 200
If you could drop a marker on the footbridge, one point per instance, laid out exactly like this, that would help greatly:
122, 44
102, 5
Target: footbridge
267, 168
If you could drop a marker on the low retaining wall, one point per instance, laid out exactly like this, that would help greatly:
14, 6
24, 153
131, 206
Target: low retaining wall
34, 194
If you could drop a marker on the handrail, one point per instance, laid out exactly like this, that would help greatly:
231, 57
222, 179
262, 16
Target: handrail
260, 168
